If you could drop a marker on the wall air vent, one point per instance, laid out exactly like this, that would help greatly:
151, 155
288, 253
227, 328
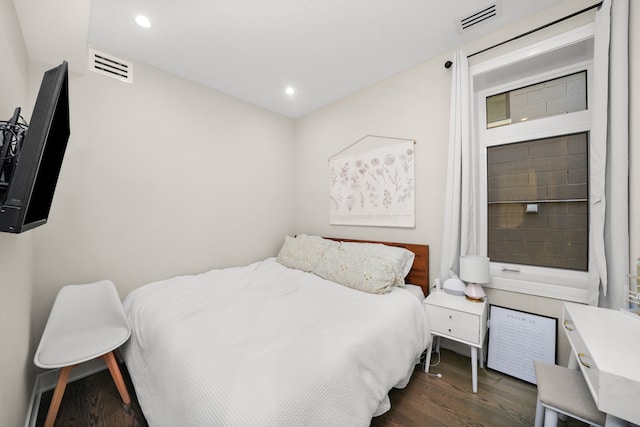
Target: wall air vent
488, 13
109, 65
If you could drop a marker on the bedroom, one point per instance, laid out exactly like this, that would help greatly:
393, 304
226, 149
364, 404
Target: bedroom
120, 157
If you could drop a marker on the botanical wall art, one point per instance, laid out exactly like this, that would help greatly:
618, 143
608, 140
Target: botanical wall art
373, 186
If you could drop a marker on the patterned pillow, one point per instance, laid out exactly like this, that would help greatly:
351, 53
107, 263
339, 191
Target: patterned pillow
303, 252
400, 258
369, 267
357, 270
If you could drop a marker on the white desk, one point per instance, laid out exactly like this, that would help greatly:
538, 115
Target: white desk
606, 343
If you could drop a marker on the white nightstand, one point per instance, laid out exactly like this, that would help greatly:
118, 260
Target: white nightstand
455, 318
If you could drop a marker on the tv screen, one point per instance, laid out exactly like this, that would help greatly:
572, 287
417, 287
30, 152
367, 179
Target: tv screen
30, 171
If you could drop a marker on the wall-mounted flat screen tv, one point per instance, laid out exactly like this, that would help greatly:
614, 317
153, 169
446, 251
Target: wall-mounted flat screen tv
32, 155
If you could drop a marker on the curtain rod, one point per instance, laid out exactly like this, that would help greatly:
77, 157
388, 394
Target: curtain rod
448, 64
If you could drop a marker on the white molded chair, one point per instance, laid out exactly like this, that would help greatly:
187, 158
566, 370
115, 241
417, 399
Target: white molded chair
563, 391
86, 322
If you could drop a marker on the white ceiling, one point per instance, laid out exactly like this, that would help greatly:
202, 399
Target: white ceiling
254, 49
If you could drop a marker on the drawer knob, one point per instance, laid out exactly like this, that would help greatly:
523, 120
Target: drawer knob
450, 317
585, 364
567, 325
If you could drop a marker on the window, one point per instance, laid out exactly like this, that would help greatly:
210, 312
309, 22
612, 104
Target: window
532, 132
537, 194
550, 98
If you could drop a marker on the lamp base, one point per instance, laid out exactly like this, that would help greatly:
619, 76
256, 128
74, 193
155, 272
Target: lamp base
474, 292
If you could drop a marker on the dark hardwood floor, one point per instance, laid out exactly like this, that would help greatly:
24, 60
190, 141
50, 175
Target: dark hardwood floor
449, 401
94, 401
427, 401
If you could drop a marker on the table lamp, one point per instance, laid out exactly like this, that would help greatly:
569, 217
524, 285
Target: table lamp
475, 271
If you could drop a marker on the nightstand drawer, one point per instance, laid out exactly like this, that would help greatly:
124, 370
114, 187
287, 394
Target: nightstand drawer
457, 324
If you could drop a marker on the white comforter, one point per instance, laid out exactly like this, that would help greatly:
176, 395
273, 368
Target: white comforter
265, 345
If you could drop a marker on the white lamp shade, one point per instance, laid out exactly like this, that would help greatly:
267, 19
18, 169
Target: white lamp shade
474, 269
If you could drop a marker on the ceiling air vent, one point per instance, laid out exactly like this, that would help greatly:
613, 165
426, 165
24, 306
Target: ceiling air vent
483, 15
109, 65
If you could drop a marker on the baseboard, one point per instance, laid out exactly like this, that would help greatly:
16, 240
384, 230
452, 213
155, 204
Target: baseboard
47, 381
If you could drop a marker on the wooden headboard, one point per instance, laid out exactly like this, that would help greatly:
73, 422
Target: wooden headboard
419, 274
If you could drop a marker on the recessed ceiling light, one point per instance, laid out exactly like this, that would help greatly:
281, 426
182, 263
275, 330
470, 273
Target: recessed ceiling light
143, 21
290, 91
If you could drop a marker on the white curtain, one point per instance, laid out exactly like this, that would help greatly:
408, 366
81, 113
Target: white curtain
460, 216
609, 157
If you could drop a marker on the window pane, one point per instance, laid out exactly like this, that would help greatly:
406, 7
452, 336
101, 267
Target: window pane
538, 202
563, 95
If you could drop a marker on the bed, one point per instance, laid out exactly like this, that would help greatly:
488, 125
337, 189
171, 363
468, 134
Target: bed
271, 345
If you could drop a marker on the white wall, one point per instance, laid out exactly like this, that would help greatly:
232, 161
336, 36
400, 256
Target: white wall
415, 104
409, 105
161, 177
16, 369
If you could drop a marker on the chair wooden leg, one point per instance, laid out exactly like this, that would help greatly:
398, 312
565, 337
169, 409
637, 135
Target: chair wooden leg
61, 384
110, 359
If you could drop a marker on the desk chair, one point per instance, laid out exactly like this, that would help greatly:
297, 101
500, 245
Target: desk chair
86, 322
563, 391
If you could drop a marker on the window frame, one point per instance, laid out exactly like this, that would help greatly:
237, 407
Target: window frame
564, 284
